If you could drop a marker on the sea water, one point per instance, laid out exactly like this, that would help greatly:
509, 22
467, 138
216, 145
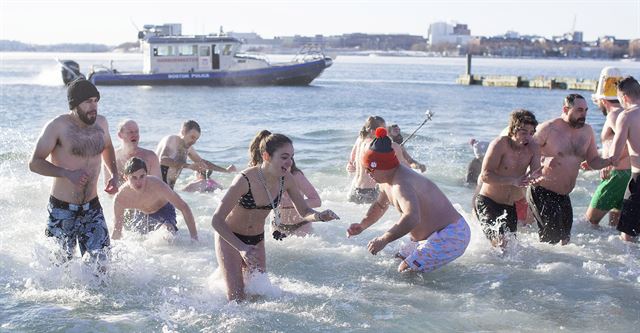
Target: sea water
325, 282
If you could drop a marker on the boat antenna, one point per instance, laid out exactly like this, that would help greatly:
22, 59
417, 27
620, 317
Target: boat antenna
427, 116
134, 24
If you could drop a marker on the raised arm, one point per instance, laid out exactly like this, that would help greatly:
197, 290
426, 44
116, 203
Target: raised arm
308, 214
166, 150
594, 160
194, 156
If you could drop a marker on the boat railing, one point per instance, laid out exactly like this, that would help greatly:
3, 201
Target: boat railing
309, 52
251, 56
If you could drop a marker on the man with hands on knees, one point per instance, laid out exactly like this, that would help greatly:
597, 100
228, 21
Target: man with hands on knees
439, 234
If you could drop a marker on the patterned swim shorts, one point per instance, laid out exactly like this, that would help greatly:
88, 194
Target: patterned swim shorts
84, 224
441, 248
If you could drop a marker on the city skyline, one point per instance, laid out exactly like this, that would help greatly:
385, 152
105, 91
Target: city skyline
114, 22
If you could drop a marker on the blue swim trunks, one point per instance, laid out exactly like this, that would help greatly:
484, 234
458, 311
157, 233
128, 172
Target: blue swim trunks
145, 223
84, 224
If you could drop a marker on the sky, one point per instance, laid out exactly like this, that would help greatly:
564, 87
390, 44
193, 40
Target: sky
114, 22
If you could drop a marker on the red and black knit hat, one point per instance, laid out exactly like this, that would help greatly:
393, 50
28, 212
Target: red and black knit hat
380, 155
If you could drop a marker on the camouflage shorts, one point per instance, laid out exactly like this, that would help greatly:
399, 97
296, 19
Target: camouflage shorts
84, 224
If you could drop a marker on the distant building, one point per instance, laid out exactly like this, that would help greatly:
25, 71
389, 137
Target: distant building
445, 33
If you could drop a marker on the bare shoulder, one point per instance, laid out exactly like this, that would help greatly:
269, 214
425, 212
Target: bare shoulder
102, 121
148, 154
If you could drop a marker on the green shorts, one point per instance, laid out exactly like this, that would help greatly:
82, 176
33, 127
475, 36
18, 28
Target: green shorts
610, 192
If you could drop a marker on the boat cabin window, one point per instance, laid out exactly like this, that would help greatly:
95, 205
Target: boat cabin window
163, 51
227, 49
204, 51
187, 50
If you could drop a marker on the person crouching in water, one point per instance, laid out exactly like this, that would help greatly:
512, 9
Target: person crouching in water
239, 219
153, 197
203, 183
504, 175
439, 234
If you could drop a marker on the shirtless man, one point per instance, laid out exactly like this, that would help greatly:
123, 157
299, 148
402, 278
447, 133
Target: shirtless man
629, 97
565, 142
129, 135
609, 194
439, 234
151, 196
174, 149
504, 174
76, 144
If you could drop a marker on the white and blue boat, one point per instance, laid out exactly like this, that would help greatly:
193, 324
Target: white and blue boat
169, 58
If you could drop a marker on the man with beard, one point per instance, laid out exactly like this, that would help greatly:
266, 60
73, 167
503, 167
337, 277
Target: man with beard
565, 143
151, 196
609, 194
76, 144
504, 175
629, 96
174, 149
129, 135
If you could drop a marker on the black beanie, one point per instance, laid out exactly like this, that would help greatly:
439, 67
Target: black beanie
79, 91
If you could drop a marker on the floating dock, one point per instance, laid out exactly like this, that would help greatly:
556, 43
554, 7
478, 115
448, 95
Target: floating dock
568, 83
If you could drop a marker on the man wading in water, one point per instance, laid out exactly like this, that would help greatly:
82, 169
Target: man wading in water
77, 143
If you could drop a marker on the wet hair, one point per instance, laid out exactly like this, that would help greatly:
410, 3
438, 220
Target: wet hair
629, 87
371, 124
190, 125
294, 167
134, 164
255, 157
519, 118
274, 141
570, 99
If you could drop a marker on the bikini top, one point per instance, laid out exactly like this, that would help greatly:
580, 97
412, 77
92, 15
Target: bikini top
248, 202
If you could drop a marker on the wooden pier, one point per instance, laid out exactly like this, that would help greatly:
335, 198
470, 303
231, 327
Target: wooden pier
568, 83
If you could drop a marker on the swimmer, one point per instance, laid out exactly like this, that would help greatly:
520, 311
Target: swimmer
565, 142
203, 183
504, 174
240, 216
151, 196
439, 234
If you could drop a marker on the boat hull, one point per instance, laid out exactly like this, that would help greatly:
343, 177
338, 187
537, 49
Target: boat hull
298, 74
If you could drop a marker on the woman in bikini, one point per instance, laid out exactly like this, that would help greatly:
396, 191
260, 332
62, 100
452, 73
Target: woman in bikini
239, 219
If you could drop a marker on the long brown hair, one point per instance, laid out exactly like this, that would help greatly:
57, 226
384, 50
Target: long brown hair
371, 124
255, 157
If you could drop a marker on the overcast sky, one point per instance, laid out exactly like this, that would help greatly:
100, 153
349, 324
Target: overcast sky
113, 22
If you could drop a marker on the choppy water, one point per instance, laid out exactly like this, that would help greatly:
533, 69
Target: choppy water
325, 282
